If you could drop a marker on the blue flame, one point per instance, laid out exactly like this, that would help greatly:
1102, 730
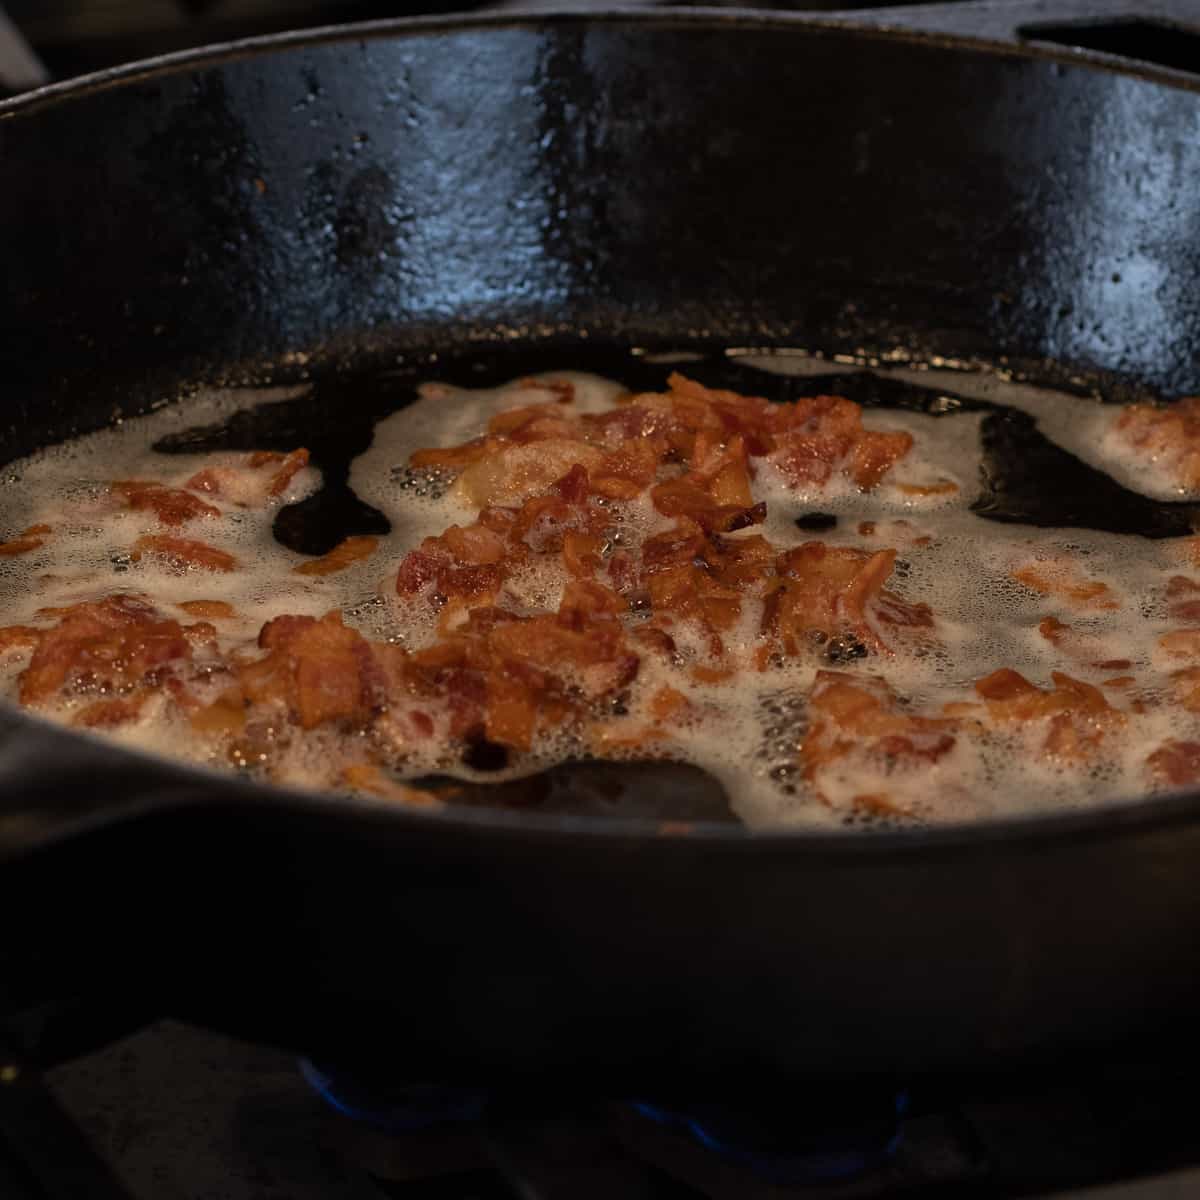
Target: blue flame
399, 1110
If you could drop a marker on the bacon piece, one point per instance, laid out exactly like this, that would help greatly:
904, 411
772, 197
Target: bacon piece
171, 506
943, 487
182, 553
1167, 437
321, 670
213, 610
365, 777
104, 714
1186, 686
874, 455
290, 465
454, 458
347, 552
581, 553
1181, 643
1052, 629
19, 637
826, 590
111, 645
817, 435
683, 498
419, 568
1077, 714
1065, 581
857, 717
666, 704
1175, 763
249, 484
514, 473
24, 542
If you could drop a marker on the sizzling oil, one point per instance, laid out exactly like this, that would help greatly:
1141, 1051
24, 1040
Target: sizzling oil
1038, 482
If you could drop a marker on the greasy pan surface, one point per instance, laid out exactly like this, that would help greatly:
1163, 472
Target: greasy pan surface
353, 201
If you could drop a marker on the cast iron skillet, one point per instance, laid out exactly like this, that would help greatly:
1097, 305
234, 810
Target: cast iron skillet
337, 204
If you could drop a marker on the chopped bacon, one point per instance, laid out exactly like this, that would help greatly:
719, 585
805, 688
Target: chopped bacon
858, 717
321, 670
19, 637
290, 465
420, 567
1181, 643
1168, 437
1064, 581
1176, 763
213, 610
171, 506
516, 472
453, 458
1078, 715
1052, 629
365, 777
24, 542
103, 714
183, 553
1186, 686
347, 552
826, 590
108, 645
249, 483
943, 487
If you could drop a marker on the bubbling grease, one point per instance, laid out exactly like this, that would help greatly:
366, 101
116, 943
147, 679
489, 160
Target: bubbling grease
989, 587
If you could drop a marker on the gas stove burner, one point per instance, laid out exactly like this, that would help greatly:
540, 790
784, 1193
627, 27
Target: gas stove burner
394, 1109
819, 1139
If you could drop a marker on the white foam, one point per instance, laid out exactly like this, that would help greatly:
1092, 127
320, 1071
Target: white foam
746, 732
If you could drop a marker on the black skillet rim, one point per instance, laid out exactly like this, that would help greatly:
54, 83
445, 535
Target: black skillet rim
190, 782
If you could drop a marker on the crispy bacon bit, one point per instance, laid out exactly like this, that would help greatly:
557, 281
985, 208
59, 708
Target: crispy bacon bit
1064, 581
250, 484
116, 644
171, 506
104, 714
667, 704
453, 458
826, 590
1181, 643
24, 542
19, 637
343, 555
290, 465
321, 670
182, 553
1168, 437
1186, 686
210, 610
1052, 629
943, 487
1077, 713
858, 717
365, 777
1176, 763
514, 473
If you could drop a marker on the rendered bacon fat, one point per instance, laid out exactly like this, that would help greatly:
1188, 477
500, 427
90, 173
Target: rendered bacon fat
576, 571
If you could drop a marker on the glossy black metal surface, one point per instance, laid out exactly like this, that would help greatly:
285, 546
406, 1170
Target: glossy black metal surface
381, 195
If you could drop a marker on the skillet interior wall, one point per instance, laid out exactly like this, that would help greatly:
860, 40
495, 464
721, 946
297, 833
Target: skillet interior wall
641, 179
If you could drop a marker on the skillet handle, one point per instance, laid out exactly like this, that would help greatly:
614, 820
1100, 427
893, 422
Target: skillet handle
1165, 33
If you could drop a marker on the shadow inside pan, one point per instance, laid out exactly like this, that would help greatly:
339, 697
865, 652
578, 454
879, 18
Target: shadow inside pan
676, 793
